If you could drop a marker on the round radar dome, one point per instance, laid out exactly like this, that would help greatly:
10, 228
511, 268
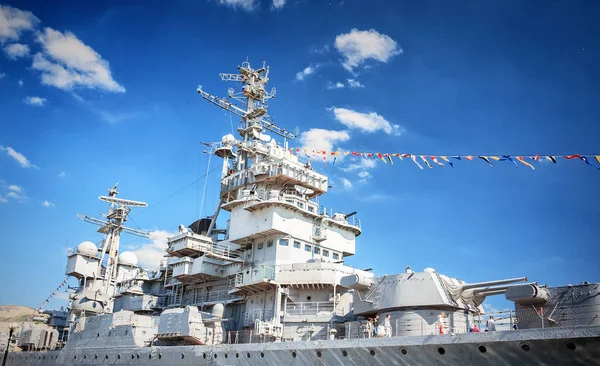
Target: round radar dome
128, 259
228, 139
87, 248
429, 269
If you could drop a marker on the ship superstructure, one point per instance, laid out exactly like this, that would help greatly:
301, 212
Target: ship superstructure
263, 281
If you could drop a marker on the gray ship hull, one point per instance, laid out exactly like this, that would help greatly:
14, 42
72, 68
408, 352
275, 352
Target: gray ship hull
551, 346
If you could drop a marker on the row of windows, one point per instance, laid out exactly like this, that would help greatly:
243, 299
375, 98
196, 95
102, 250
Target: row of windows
307, 247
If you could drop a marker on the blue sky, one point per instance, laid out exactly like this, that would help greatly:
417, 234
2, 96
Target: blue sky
94, 94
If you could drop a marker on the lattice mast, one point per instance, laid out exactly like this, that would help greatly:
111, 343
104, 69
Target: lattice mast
112, 228
250, 104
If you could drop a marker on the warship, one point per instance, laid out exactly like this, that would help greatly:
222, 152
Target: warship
271, 286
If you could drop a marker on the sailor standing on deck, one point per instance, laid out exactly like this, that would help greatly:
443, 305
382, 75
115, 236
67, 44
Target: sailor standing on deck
388, 325
490, 325
376, 326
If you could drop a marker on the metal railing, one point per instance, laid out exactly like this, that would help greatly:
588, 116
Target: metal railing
311, 308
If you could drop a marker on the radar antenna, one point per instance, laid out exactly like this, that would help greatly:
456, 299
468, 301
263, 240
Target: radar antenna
251, 103
112, 228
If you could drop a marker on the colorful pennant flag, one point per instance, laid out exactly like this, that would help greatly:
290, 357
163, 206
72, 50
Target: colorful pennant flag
520, 158
426, 162
551, 158
485, 158
447, 161
435, 160
414, 158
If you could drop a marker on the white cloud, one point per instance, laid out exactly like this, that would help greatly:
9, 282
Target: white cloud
2, 75
47, 204
321, 139
150, 254
278, 4
13, 21
67, 63
20, 158
358, 46
3, 200
13, 191
35, 101
62, 174
367, 122
20, 82
309, 70
117, 117
355, 83
346, 183
337, 85
361, 168
15, 188
247, 5
16, 50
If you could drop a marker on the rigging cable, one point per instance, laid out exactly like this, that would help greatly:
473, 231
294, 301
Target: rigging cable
205, 181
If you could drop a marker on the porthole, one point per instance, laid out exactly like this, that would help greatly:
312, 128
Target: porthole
204, 355
345, 353
182, 356
98, 335
482, 349
441, 351
226, 355
318, 353
294, 354
95, 357
372, 352
525, 347
132, 356
84, 357
149, 356
262, 354
248, 354
159, 356
137, 356
237, 355
571, 346
119, 356
74, 357
215, 355
106, 357
403, 351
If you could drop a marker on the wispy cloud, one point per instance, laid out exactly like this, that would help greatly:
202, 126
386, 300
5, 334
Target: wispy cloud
14, 21
367, 122
16, 50
360, 167
278, 4
35, 101
359, 46
301, 75
68, 63
47, 204
346, 183
20, 82
355, 83
20, 158
62, 174
247, 5
12, 191
2, 75
116, 117
337, 85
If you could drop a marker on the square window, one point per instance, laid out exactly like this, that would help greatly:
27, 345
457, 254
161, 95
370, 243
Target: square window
260, 245
283, 242
307, 247
311, 209
325, 253
317, 250
269, 243
336, 256
296, 244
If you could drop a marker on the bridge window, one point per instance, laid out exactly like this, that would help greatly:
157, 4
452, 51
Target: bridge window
283, 242
307, 247
260, 245
269, 243
317, 250
336, 256
296, 244
325, 253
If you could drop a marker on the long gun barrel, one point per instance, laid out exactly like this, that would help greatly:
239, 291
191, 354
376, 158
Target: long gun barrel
498, 288
493, 283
